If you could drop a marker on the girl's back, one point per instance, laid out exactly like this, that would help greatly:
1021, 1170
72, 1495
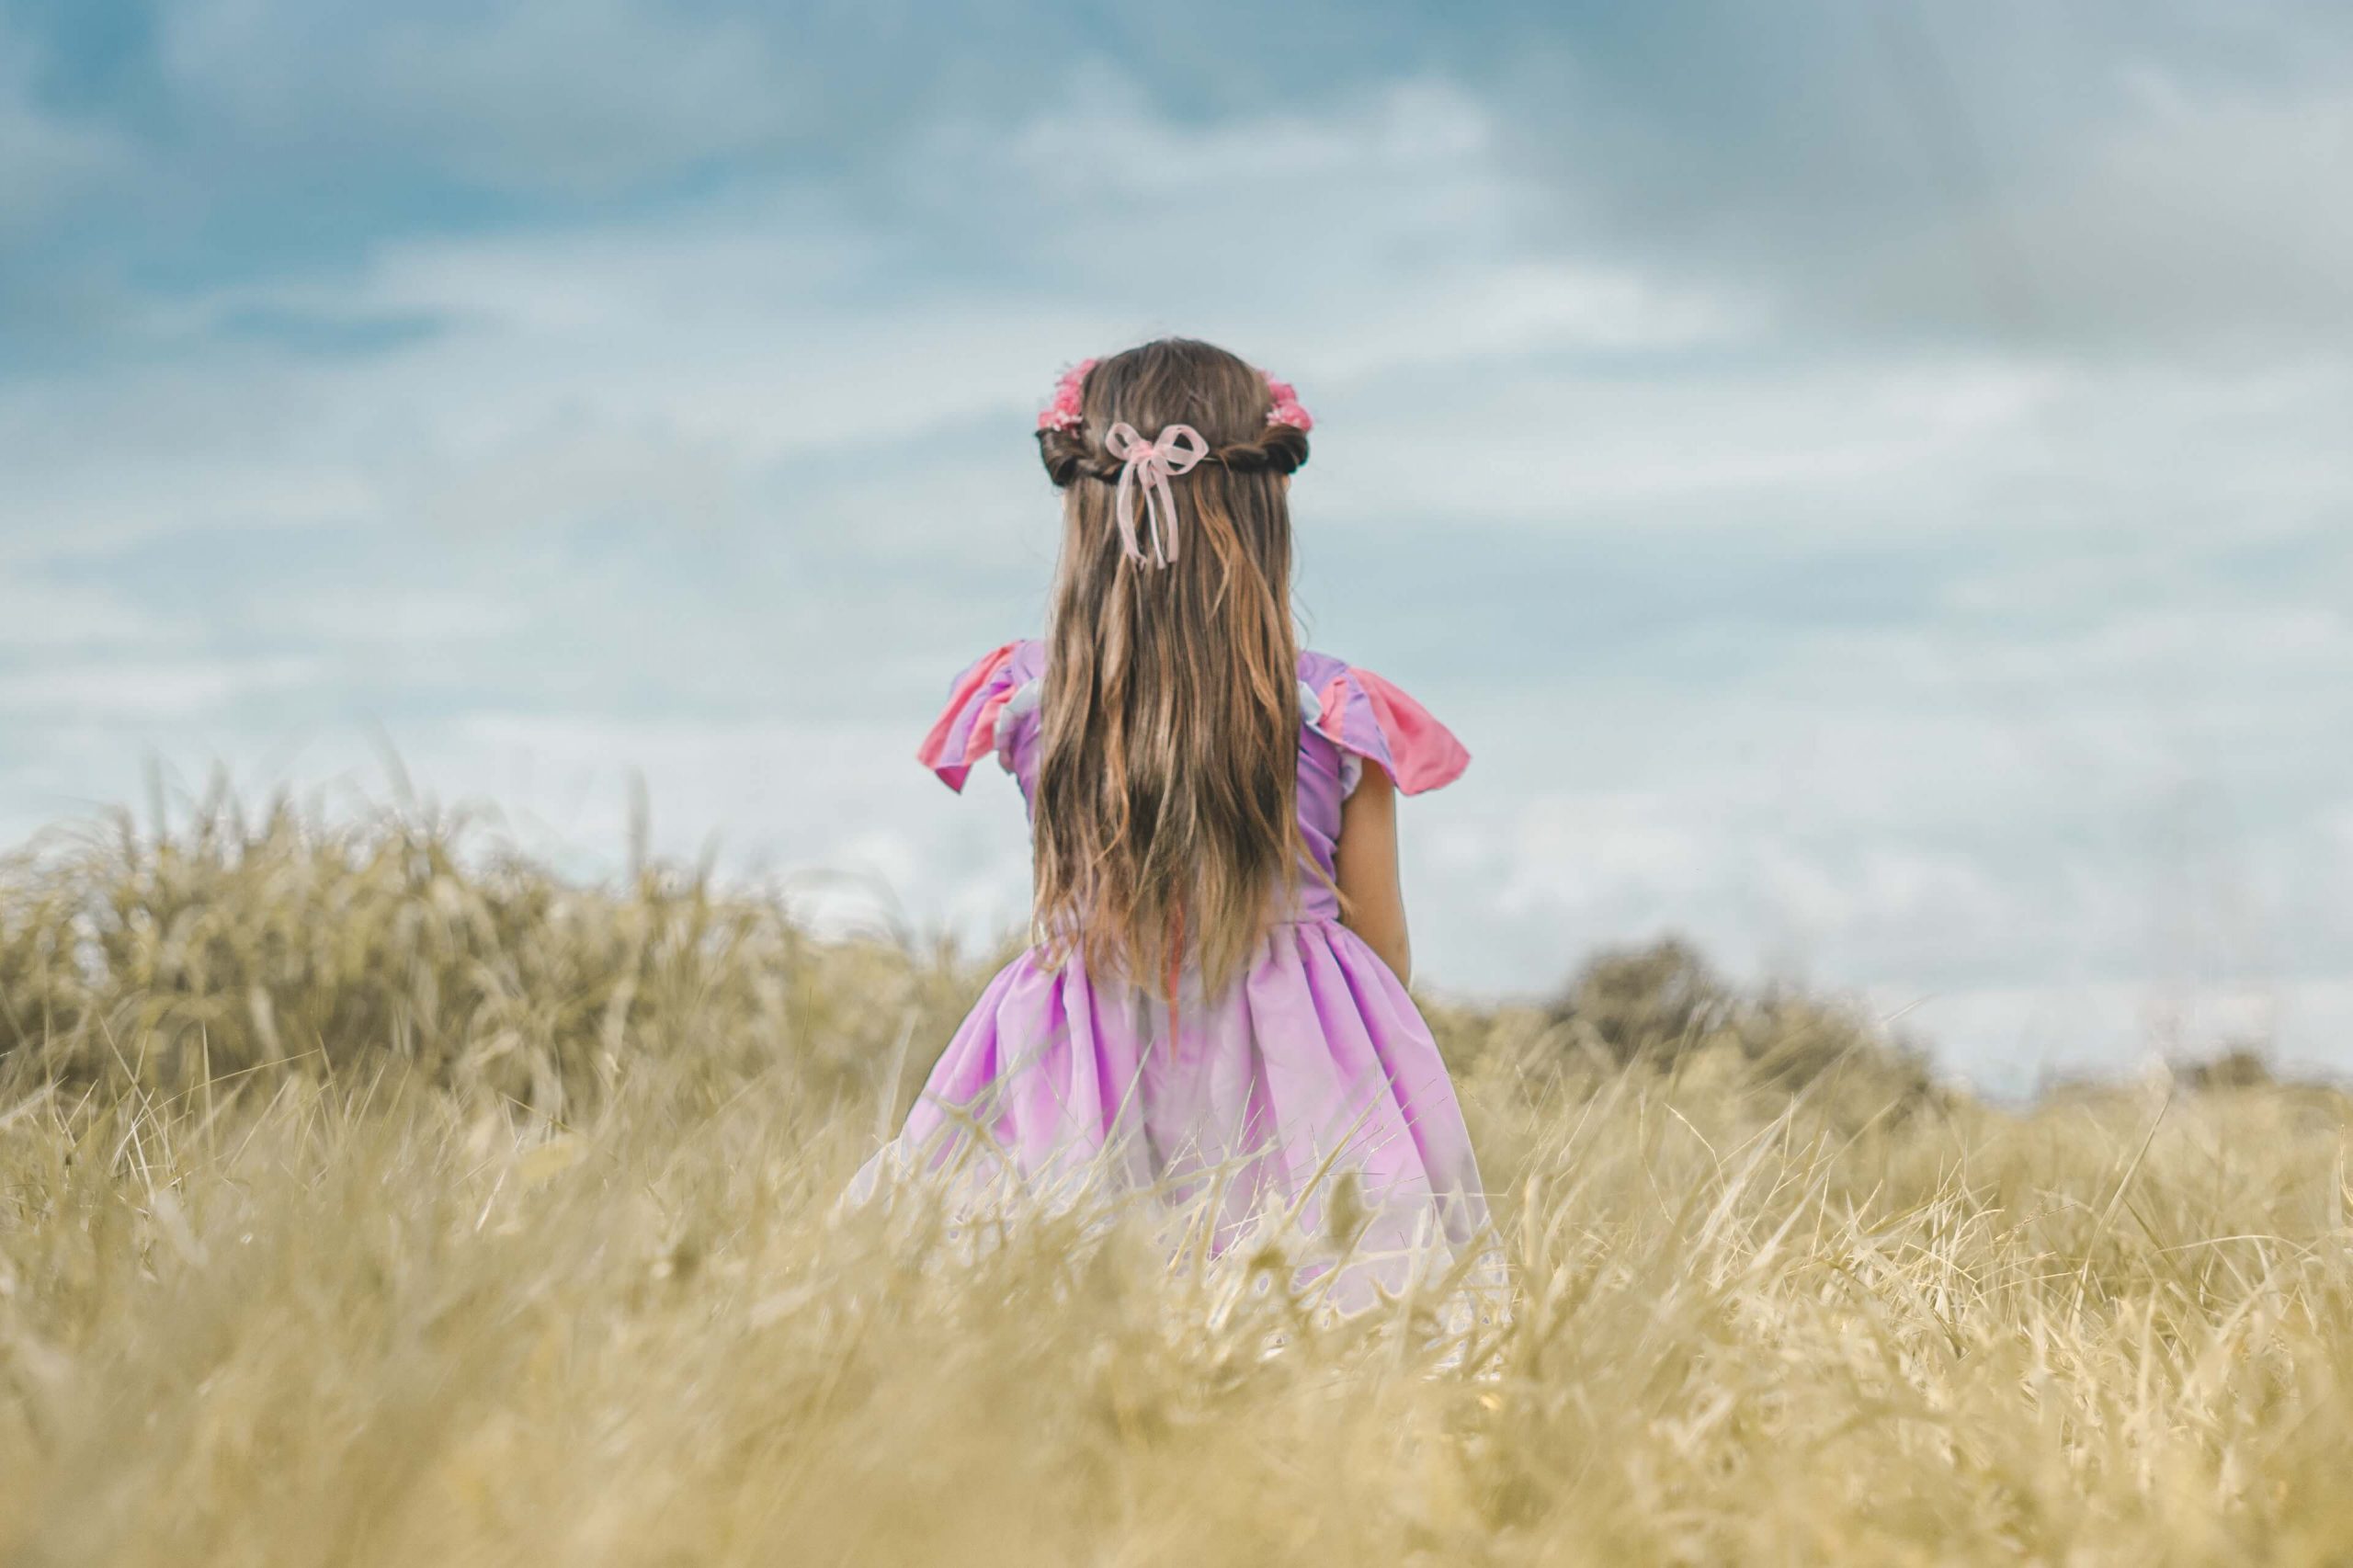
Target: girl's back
1347, 717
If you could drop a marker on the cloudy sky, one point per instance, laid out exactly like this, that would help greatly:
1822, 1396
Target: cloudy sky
1869, 484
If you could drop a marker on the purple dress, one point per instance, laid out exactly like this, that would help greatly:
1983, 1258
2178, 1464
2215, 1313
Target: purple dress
1313, 1054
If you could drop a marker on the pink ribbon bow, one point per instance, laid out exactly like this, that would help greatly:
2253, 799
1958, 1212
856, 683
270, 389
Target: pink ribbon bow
1151, 464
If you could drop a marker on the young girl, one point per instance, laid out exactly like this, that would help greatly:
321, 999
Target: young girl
1215, 1006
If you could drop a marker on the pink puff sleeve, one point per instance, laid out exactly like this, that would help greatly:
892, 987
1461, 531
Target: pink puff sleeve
1365, 714
973, 724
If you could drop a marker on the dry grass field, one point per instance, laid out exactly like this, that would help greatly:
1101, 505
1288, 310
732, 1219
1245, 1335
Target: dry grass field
363, 1200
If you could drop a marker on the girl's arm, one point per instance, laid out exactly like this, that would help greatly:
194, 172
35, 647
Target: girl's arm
1365, 865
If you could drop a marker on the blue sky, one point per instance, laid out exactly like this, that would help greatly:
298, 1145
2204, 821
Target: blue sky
1868, 483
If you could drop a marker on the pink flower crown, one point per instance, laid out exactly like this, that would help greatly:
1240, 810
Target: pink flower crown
1063, 413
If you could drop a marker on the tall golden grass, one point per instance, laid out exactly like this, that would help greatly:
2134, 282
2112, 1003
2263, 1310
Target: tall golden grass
369, 1199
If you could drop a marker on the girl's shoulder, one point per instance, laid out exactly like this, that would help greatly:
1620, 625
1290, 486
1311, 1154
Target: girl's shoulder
1363, 714
986, 705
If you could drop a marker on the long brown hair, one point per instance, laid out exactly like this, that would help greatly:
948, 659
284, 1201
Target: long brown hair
1166, 822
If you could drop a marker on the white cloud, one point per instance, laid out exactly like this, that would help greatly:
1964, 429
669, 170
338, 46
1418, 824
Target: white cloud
127, 692
2003, 448
1105, 142
2025, 1036
46, 618
2198, 214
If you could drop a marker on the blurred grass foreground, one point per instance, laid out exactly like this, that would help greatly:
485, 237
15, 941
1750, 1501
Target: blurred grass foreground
374, 1198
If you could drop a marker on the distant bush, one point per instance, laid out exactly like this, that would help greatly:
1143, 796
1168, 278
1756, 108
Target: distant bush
2234, 1067
1664, 1006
